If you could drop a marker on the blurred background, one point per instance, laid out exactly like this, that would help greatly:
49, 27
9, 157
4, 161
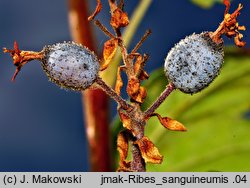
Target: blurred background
42, 127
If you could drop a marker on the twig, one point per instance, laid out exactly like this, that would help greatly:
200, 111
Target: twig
128, 34
137, 164
138, 45
170, 87
123, 104
104, 29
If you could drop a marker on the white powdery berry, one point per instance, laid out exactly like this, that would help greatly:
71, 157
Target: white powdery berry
193, 63
70, 65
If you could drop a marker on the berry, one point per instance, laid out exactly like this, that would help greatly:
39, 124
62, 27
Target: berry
70, 65
193, 63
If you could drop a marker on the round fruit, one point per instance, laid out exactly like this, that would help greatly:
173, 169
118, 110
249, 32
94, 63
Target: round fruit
70, 65
193, 63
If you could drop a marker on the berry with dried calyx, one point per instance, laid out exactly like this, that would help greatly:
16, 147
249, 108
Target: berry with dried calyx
194, 62
70, 65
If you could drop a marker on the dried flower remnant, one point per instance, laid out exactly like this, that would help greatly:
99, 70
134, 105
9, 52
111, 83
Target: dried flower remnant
20, 58
230, 27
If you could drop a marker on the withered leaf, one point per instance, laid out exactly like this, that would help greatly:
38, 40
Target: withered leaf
170, 124
126, 121
138, 67
135, 91
141, 95
119, 82
227, 4
109, 50
122, 147
133, 87
119, 19
239, 42
149, 152
143, 75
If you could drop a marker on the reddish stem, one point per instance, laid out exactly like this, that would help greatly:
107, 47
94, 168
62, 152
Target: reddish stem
95, 102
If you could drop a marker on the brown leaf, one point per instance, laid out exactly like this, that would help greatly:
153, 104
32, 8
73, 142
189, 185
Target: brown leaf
227, 4
149, 152
126, 121
109, 50
119, 19
135, 91
119, 82
238, 41
97, 10
144, 75
133, 87
170, 124
122, 147
138, 67
141, 95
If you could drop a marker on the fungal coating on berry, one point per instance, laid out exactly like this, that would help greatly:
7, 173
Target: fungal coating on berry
70, 65
193, 63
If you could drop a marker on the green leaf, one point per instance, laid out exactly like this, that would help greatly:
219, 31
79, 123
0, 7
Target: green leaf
218, 131
207, 3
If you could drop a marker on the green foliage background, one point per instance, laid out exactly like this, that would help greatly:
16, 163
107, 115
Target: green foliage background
206, 3
218, 127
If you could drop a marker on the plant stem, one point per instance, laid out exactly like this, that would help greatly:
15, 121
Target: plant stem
121, 102
95, 102
135, 20
138, 163
170, 87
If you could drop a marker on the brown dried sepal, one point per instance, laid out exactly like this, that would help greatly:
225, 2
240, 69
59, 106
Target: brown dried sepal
133, 87
139, 66
149, 152
135, 91
119, 82
20, 57
126, 121
230, 27
109, 50
97, 10
170, 124
119, 19
122, 147
141, 95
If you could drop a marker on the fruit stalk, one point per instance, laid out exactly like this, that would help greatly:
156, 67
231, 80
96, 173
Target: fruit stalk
169, 89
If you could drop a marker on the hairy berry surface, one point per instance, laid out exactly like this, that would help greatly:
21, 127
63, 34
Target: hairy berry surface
193, 63
70, 65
